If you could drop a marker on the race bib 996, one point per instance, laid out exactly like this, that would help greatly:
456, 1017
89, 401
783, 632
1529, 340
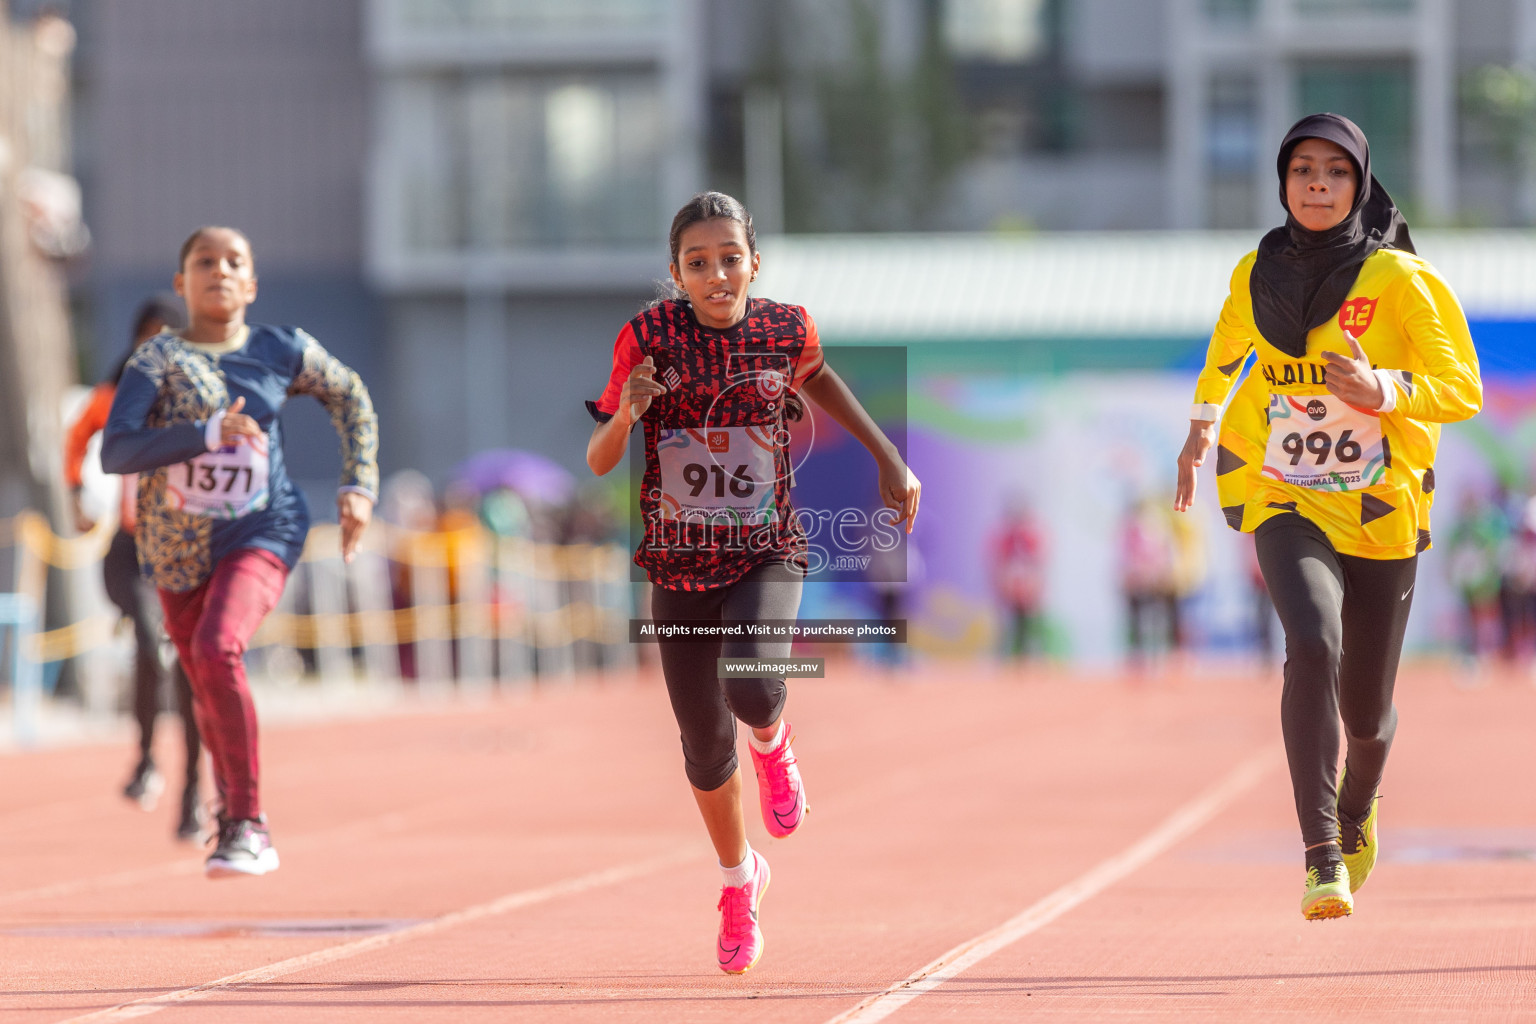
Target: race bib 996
720, 474
1322, 442
224, 484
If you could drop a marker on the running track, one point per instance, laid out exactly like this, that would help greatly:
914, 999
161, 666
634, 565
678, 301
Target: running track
982, 847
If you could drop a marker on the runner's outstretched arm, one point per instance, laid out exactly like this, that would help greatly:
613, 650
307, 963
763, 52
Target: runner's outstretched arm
899, 488
342, 393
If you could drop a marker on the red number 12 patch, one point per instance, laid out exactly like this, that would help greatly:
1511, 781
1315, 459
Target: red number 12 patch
1355, 315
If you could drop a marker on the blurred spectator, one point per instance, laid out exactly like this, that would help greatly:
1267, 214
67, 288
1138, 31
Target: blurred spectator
131, 592
892, 575
1189, 566
1264, 618
505, 514
1149, 554
406, 501
593, 517
1517, 588
1476, 549
545, 488
1017, 563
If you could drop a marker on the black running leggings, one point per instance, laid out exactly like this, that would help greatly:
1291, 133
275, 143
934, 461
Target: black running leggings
705, 705
127, 589
1344, 620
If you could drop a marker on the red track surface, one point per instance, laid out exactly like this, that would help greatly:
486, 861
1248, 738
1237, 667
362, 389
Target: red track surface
942, 808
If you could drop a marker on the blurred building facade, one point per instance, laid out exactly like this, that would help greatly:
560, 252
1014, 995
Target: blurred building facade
463, 200
251, 115
1121, 114
526, 162
466, 198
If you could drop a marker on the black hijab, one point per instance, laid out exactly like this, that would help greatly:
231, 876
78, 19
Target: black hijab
1301, 277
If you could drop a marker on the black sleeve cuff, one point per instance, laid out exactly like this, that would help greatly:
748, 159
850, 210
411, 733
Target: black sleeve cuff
598, 414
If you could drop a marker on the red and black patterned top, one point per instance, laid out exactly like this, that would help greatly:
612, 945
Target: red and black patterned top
715, 498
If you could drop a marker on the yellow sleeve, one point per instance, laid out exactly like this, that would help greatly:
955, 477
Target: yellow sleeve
1446, 386
1231, 342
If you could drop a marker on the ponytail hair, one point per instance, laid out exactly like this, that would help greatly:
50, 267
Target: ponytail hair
163, 307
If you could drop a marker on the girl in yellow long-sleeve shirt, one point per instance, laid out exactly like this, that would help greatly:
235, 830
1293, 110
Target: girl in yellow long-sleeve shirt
1326, 453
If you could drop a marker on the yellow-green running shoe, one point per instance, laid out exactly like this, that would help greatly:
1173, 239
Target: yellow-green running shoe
1358, 839
1327, 893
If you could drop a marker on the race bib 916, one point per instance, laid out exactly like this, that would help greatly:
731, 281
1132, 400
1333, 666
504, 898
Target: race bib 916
1324, 443
224, 484
720, 474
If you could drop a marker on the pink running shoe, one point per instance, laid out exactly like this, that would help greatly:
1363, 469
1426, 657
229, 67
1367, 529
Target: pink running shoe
779, 789
741, 940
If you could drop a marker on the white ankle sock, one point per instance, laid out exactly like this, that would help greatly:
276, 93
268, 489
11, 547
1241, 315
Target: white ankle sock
766, 747
742, 873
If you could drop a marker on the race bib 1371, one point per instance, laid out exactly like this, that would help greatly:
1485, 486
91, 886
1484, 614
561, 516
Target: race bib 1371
224, 484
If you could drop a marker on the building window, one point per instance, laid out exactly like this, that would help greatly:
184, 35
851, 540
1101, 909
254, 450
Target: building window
499, 161
1006, 31
1377, 96
1355, 6
1231, 12
1231, 146
506, 16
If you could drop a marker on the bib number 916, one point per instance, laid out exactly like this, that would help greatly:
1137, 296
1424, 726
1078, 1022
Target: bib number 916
1320, 443
697, 477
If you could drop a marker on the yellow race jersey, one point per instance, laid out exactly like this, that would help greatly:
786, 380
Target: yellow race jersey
1286, 445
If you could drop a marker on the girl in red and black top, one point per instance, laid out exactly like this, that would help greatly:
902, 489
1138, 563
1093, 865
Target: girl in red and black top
715, 376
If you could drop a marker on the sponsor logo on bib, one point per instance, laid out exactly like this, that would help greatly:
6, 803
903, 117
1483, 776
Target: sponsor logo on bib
1317, 410
719, 442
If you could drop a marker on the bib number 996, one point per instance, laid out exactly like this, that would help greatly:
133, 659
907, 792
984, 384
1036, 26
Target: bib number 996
1320, 443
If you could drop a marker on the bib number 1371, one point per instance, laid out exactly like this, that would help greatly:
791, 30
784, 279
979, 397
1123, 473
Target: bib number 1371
224, 484
205, 478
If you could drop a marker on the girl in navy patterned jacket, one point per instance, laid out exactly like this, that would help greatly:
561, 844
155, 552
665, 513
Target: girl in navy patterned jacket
220, 525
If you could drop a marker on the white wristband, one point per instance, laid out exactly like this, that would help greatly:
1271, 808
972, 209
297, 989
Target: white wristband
213, 434
1205, 411
1388, 391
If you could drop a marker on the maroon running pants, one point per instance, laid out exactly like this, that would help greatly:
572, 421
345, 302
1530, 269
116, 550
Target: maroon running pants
210, 627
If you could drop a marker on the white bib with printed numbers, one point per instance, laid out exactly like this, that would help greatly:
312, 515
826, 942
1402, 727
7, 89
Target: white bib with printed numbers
224, 484
1323, 443
719, 474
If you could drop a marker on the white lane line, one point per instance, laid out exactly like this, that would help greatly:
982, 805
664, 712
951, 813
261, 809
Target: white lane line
1180, 824
347, 950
